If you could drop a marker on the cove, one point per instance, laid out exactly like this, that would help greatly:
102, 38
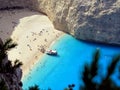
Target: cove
56, 72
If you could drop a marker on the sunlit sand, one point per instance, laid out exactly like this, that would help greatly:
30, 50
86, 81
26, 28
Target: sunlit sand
32, 32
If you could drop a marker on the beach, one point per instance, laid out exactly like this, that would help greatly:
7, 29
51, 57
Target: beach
32, 31
67, 67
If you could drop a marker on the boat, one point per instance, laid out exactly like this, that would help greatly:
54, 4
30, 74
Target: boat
51, 52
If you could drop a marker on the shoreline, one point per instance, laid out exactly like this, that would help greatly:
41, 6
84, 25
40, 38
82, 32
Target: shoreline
32, 64
32, 31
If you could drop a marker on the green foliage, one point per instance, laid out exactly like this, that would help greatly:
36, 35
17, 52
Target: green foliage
17, 63
3, 53
3, 85
107, 82
113, 65
94, 66
8, 67
35, 87
9, 44
90, 72
70, 87
5, 47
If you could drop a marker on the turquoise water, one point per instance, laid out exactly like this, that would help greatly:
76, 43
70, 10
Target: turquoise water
57, 72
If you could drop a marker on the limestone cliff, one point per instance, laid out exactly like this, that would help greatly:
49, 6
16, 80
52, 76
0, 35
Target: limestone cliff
91, 20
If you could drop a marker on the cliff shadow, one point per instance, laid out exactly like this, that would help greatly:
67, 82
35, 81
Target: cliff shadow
10, 19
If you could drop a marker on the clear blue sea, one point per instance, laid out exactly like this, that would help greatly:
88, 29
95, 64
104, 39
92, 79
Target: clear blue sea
57, 72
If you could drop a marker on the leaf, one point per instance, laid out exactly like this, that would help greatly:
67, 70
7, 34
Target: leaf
111, 68
8, 41
94, 65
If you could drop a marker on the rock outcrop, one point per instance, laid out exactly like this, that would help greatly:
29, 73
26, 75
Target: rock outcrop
91, 20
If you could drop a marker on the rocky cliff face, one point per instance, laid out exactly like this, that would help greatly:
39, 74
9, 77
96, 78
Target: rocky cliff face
92, 20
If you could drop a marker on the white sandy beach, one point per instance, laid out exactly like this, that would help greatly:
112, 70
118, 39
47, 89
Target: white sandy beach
31, 31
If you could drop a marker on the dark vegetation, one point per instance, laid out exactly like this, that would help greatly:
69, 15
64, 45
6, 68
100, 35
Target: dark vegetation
4, 47
35, 87
3, 85
88, 74
91, 71
70, 87
6, 66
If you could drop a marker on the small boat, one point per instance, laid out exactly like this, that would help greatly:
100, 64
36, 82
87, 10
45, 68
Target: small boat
51, 52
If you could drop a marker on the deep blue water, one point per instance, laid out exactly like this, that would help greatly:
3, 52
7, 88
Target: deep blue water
57, 72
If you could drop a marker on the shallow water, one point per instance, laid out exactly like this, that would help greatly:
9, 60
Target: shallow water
57, 72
